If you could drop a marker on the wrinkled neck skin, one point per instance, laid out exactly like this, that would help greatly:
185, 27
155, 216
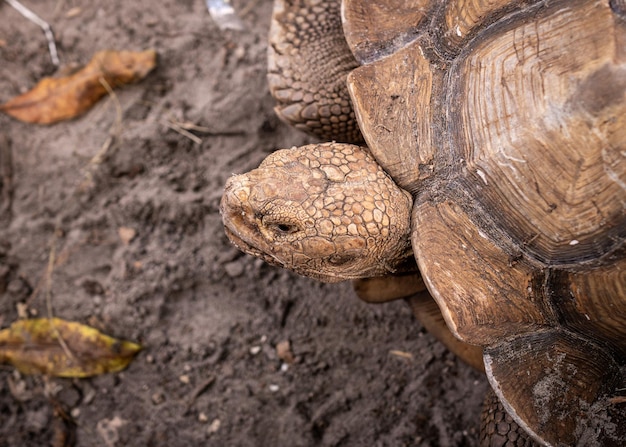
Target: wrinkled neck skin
325, 211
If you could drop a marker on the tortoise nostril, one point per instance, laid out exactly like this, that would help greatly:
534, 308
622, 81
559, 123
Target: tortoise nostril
340, 259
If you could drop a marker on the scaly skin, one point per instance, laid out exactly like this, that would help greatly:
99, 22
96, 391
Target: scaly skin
327, 211
308, 61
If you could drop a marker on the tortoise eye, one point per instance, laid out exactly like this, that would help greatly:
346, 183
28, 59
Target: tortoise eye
279, 225
284, 228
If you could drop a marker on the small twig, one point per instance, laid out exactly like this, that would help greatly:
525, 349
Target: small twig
115, 128
49, 270
176, 128
114, 133
118, 107
47, 29
183, 128
207, 130
401, 354
58, 7
191, 126
198, 391
99, 157
618, 400
48, 294
249, 7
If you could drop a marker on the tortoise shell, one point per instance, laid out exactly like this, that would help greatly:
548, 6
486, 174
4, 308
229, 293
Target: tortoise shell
506, 120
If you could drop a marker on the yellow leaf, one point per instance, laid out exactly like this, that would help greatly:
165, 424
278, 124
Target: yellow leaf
33, 347
56, 99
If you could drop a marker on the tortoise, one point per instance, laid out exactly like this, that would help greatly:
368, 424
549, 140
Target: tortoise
493, 163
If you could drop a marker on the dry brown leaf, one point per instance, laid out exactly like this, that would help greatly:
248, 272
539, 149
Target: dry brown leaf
56, 99
33, 347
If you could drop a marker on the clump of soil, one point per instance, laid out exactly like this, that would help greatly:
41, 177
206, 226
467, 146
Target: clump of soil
130, 211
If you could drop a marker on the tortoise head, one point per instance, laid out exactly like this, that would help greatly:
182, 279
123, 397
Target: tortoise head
325, 211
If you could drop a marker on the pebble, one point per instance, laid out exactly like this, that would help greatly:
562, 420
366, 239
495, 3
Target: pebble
214, 427
89, 393
108, 429
158, 398
234, 269
283, 350
126, 234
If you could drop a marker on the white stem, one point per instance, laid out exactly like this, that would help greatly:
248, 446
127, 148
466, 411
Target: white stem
42, 24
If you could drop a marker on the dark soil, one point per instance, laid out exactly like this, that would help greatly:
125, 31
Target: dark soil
209, 317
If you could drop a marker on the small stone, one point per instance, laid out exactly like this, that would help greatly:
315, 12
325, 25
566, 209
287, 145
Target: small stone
73, 12
158, 398
255, 350
283, 350
214, 427
234, 269
126, 234
274, 388
108, 429
184, 379
239, 53
18, 389
202, 417
22, 310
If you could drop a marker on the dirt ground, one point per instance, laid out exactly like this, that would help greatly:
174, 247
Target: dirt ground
209, 318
